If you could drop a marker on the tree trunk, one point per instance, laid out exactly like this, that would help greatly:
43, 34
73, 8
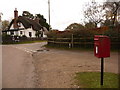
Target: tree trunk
95, 25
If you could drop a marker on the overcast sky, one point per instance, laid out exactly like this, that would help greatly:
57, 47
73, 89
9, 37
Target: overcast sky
63, 12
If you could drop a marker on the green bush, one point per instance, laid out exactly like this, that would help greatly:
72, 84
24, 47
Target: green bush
85, 37
113, 32
6, 39
82, 33
23, 37
52, 34
68, 34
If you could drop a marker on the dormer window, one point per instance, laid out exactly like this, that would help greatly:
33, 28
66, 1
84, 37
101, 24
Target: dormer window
19, 24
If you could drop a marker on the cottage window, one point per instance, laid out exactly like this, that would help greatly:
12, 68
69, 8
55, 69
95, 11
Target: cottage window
30, 34
12, 33
21, 32
19, 24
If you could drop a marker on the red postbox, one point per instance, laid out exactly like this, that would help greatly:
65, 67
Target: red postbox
101, 46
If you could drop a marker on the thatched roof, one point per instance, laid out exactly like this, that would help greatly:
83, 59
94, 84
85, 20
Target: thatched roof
27, 23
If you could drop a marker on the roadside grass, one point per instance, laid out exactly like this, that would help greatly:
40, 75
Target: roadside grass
77, 48
92, 80
25, 42
67, 48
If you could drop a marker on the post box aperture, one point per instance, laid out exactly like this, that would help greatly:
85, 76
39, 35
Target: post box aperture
101, 46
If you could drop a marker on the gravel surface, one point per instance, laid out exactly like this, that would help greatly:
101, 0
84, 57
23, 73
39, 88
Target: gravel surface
57, 68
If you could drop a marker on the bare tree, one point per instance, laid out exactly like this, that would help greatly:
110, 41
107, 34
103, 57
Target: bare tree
112, 10
94, 13
5, 24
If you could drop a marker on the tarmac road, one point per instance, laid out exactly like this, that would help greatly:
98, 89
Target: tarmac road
17, 65
17, 68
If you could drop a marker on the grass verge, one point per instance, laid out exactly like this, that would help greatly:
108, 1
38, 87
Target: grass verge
77, 48
92, 80
67, 48
25, 42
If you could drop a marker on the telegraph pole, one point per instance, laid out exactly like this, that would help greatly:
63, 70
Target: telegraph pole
49, 12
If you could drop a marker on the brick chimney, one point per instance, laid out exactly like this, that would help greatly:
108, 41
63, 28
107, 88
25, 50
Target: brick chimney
15, 18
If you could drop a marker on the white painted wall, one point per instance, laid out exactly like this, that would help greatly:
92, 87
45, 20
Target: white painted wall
12, 27
8, 33
26, 31
44, 35
21, 26
45, 32
15, 32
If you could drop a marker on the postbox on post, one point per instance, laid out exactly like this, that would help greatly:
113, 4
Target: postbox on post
102, 50
101, 46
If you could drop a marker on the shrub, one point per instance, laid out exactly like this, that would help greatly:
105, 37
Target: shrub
6, 39
82, 33
83, 36
23, 37
52, 34
113, 32
68, 34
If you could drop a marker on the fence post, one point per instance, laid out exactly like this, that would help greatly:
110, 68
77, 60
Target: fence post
72, 41
53, 41
85, 41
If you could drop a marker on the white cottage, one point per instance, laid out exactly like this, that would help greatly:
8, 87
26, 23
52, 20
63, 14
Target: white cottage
21, 26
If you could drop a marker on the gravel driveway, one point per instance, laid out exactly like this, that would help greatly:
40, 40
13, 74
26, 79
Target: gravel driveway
57, 68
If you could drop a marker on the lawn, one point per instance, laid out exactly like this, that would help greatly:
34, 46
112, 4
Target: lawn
92, 80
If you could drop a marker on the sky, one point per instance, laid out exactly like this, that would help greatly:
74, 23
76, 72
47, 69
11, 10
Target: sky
63, 12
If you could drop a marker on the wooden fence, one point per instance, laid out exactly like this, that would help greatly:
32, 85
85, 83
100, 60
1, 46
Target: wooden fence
79, 42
